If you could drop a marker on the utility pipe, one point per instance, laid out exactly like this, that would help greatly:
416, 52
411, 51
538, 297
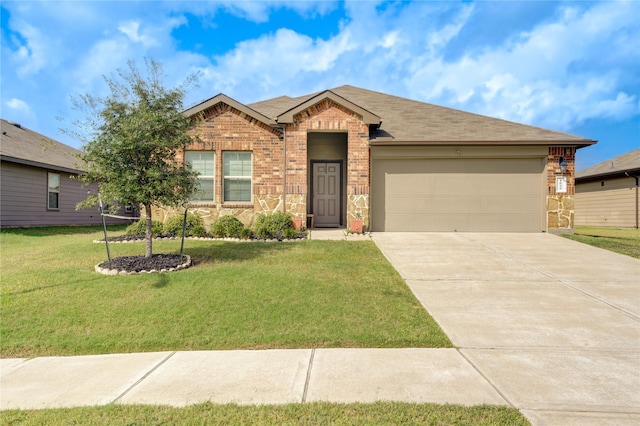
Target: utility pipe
637, 205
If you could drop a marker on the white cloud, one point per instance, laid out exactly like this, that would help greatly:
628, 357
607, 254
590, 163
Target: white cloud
31, 55
132, 30
18, 105
543, 77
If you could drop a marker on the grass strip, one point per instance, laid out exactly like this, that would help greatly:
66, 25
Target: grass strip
623, 241
379, 413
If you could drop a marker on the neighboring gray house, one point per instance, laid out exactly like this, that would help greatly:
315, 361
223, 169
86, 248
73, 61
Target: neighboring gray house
36, 188
607, 193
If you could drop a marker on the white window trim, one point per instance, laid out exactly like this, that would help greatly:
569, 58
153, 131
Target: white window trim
49, 191
249, 178
201, 176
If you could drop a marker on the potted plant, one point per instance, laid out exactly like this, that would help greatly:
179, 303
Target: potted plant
355, 225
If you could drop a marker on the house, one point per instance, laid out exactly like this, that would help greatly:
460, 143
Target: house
607, 193
399, 164
36, 188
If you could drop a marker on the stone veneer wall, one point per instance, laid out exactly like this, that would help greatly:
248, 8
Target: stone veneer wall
560, 206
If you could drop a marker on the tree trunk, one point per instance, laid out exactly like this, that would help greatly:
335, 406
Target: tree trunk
149, 231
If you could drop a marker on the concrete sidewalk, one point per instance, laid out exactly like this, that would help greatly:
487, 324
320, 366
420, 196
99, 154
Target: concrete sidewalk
245, 377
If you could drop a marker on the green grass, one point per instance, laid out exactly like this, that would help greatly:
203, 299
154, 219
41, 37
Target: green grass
623, 241
237, 296
380, 413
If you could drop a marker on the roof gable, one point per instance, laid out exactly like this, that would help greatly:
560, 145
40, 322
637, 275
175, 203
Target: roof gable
24, 146
367, 116
221, 98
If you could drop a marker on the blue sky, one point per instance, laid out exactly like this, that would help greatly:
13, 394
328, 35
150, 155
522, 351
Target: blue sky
568, 66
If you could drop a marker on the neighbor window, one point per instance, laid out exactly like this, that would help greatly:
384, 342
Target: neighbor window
237, 177
203, 163
53, 193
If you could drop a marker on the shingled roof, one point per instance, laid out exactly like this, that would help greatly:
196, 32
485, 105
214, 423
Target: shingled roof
21, 145
405, 121
629, 162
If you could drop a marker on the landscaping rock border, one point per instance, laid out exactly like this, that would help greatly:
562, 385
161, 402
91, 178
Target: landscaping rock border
99, 268
250, 240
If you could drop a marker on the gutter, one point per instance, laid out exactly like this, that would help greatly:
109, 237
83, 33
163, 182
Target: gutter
637, 205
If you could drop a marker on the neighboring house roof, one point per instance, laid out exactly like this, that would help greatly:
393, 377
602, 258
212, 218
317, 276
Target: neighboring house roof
21, 145
405, 121
629, 162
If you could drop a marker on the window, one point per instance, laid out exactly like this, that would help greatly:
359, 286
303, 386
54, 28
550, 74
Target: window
203, 163
237, 177
53, 193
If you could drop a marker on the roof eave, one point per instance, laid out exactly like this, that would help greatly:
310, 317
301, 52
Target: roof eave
40, 165
393, 142
634, 171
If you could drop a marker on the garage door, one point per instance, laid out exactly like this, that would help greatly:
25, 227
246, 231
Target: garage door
458, 194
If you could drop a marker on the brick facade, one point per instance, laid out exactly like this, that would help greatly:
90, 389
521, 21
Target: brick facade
224, 128
280, 164
327, 116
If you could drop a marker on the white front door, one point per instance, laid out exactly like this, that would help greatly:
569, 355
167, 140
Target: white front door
326, 194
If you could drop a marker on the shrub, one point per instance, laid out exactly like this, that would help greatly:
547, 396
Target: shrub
228, 227
273, 225
140, 228
199, 231
173, 225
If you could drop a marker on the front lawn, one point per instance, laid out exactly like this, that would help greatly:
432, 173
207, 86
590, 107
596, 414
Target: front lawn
388, 413
623, 241
248, 295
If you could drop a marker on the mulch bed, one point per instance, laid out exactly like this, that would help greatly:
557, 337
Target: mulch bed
156, 262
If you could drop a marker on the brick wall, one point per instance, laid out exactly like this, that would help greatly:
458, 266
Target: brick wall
327, 116
224, 128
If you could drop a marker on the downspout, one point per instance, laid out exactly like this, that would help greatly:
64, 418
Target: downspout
637, 206
284, 174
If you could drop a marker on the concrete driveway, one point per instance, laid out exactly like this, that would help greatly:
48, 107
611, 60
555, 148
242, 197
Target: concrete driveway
552, 324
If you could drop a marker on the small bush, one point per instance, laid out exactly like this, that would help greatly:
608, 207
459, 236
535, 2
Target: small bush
229, 227
199, 232
173, 225
140, 228
273, 225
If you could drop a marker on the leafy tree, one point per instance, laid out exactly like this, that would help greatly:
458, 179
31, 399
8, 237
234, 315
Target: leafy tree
131, 139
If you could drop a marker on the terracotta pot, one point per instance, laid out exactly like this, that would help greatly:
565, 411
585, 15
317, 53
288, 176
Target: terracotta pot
297, 223
355, 226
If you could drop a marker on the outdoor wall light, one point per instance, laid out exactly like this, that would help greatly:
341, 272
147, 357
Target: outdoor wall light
563, 165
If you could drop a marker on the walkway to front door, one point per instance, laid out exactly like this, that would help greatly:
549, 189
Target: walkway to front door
326, 194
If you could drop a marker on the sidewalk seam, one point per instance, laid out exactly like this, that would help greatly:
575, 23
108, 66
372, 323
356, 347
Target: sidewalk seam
507, 400
306, 383
143, 377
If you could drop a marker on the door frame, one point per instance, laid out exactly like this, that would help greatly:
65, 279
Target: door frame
340, 185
